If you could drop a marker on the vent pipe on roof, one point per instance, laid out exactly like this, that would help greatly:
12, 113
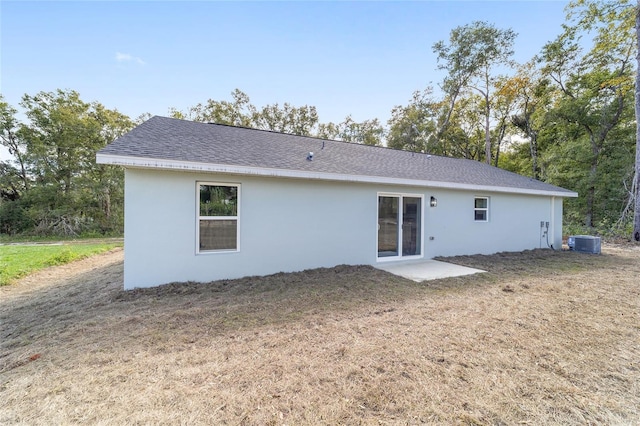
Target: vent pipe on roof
310, 156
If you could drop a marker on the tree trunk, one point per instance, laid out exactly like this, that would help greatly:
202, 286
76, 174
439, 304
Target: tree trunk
487, 132
14, 149
636, 216
500, 130
533, 148
487, 142
591, 191
107, 203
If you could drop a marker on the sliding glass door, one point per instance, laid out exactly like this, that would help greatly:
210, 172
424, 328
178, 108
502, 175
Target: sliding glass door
399, 226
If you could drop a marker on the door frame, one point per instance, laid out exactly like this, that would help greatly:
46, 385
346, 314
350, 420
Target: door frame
400, 196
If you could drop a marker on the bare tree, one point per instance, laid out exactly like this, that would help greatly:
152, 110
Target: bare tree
636, 192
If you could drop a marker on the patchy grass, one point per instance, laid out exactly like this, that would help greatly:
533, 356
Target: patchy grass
19, 260
541, 338
81, 239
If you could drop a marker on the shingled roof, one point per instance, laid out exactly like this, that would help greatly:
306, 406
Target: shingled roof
167, 143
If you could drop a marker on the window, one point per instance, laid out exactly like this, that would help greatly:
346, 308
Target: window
481, 209
217, 217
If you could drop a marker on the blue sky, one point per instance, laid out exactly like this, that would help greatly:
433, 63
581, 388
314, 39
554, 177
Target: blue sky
358, 58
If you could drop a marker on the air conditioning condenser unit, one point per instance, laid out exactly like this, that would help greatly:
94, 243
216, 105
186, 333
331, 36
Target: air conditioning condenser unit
584, 244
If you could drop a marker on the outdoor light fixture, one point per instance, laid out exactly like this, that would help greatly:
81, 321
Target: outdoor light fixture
433, 202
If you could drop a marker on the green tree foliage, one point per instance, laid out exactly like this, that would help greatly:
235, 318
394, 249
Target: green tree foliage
241, 112
594, 99
465, 133
302, 121
413, 127
470, 58
473, 117
575, 111
504, 102
14, 180
11, 140
367, 132
531, 97
286, 119
565, 117
238, 112
58, 188
419, 126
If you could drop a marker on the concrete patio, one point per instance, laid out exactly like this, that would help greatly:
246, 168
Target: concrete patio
426, 269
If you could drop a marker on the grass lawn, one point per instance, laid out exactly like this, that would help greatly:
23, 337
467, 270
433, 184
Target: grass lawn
541, 338
19, 260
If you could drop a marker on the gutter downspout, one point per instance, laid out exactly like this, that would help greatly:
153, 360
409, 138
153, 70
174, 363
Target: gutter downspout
552, 224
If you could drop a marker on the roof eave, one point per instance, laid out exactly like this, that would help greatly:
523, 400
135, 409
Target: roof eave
191, 166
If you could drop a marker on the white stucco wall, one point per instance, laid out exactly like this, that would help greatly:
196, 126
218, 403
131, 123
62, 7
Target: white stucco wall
514, 224
290, 225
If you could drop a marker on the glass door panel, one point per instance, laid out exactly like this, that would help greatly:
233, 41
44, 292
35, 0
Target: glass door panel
388, 229
411, 226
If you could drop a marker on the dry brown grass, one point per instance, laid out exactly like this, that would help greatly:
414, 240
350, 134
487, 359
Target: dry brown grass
542, 338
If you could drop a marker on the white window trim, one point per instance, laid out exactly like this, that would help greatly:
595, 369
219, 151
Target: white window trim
400, 195
199, 218
486, 209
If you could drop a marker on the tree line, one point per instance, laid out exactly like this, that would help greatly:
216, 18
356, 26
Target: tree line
565, 117
52, 184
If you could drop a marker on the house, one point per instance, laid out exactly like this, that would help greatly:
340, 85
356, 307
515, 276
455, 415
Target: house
207, 201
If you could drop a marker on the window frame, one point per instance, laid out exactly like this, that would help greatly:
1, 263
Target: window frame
478, 209
217, 218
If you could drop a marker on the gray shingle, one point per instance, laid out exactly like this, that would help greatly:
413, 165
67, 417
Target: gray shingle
179, 140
